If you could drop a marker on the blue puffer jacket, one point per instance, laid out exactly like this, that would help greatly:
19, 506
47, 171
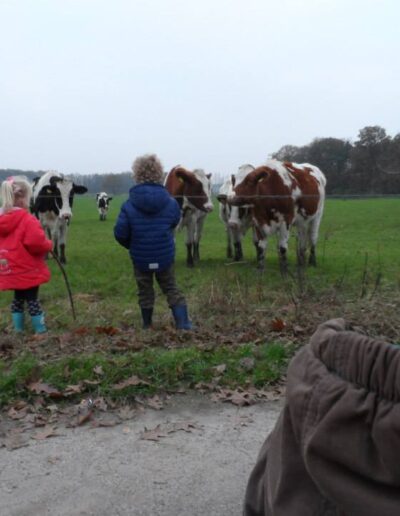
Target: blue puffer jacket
145, 226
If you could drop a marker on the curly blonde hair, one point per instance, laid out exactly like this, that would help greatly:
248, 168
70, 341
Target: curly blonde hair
147, 169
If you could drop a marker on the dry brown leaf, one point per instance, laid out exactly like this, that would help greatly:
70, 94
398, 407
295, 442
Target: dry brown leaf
186, 426
155, 403
219, 369
277, 324
48, 431
44, 388
98, 370
72, 389
127, 412
107, 330
153, 434
132, 381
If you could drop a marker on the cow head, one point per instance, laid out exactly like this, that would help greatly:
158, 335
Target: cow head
193, 186
241, 192
55, 193
247, 189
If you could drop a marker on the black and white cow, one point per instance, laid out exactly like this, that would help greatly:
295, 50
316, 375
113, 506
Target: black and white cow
103, 201
52, 200
237, 219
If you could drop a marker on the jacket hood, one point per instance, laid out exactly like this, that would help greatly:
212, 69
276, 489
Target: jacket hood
10, 220
149, 197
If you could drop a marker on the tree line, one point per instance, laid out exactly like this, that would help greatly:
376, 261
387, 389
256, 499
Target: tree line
370, 165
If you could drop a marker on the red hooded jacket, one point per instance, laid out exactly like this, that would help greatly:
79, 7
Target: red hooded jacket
23, 245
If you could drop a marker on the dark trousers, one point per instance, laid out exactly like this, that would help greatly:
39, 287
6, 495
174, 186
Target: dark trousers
335, 450
166, 280
29, 295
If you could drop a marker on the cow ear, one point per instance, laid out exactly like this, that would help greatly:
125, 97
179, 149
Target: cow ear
261, 175
35, 180
208, 176
110, 199
233, 179
184, 175
97, 195
78, 189
222, 198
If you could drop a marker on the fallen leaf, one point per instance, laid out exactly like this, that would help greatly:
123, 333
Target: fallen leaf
48, 431
219, 369
44, 388
154, 434
186, 426
277, 324
127, 412
107, 330
98, 370
155, 403
132, 381
72, 389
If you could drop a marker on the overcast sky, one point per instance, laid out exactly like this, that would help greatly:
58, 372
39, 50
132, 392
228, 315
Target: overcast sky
87, 85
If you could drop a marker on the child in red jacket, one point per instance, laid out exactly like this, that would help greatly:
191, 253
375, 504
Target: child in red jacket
23, 247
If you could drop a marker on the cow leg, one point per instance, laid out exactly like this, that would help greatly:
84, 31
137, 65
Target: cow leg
62, 237
301, 244
62, 254
282, 248
238, 252
196, 252
313, 230
189, 255
198, 230
229, 250
261, 247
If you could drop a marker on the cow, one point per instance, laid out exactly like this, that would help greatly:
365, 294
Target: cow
52, 200
192, 190
237, 220
283, 194
103, 201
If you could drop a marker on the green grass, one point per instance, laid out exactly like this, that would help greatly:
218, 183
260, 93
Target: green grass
232, 305
160, 369
351, 233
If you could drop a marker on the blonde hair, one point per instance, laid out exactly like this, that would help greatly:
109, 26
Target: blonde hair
147, 169
16, 191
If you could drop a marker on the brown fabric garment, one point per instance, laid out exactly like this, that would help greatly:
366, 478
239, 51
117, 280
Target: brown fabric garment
335, 450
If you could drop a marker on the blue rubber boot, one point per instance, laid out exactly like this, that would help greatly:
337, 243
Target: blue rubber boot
147, 316
18, 321
38, 323
181, 317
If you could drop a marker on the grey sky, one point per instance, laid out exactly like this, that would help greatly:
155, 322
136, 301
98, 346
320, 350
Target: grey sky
87, 85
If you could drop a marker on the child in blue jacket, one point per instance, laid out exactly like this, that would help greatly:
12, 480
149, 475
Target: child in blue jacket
145, 226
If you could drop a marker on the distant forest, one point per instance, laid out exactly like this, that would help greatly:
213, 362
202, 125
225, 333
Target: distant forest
368, 166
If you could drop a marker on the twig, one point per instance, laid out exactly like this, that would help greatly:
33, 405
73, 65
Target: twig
66, 283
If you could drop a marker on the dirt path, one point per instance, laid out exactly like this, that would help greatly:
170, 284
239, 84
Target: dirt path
114, 472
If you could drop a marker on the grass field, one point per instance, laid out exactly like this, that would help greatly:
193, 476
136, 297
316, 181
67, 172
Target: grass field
359, 250
233, 306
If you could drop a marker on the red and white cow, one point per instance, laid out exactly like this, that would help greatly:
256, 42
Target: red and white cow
237, 219
282, 195
192, 190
